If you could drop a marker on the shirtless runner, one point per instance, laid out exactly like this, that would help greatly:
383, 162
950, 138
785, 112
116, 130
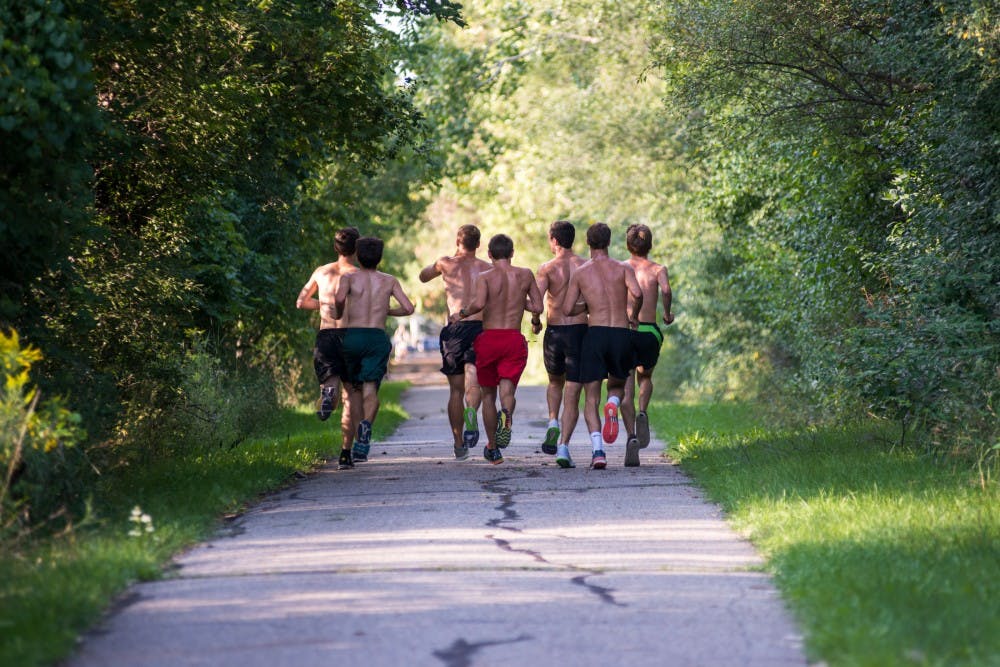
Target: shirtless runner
605, 286
328, 358
459, 273
362, 299
502, 294
654, 283
562, 340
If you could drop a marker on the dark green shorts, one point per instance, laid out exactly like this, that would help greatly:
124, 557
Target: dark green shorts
366, 355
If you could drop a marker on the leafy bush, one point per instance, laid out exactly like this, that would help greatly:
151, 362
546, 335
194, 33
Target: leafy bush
34, 437
849, 160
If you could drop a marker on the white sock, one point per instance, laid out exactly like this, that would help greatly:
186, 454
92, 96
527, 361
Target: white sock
553, 423
614, 399
596, 441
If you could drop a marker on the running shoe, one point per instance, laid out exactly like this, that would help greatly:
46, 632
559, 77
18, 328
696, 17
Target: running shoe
598, 461
492, 455
461, 453
328, 396
504, 422
610, 430
632, 452
360, 451
563, 458
470, 436
364, 432
642, 429
551, 439
345, 463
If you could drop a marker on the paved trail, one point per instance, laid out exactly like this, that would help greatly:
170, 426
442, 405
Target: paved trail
415, 559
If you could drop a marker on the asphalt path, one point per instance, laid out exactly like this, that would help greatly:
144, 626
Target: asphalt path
414, 558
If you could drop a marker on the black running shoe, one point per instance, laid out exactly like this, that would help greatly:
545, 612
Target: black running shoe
364, 432
327, 398
346, 462
492, 455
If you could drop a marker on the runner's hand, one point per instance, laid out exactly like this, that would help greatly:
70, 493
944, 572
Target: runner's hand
668, 319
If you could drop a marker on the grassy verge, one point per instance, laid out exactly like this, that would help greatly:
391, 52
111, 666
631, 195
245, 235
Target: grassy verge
885, 557
52, 590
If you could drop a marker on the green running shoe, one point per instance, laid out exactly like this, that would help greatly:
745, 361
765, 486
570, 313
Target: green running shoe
470, 436
504, 421
563, 458
551, 439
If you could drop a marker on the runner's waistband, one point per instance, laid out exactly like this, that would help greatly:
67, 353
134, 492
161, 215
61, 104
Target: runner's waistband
650, 327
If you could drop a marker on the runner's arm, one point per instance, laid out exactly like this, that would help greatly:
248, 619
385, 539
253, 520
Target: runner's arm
306, 300
634, 296
534, 303
430, 272
405, 306
663, 279
478, 302
343, 288
572, 304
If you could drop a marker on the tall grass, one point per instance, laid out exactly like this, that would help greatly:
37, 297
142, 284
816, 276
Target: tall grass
886, 557
53, 589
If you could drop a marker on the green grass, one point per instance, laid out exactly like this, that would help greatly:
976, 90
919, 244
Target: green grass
885, 557
52, 590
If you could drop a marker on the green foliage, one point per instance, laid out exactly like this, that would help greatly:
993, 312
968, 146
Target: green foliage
160, 167
34, 437
47, 118
848, 153
552, 118
876, 552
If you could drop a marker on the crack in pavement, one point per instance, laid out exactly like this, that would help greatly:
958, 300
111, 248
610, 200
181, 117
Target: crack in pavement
603, 592
506, 506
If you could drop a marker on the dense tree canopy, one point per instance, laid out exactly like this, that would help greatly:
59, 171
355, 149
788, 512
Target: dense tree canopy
821, 178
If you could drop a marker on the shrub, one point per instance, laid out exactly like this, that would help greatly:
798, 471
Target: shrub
34, 438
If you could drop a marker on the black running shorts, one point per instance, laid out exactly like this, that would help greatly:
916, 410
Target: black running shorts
456, 346
561, 348
606, 351
648, 339
328, 355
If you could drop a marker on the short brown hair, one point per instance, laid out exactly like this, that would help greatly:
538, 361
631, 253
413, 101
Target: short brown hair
345, 241
369, 251
599, 236
563, 232
468, 236
638, 240
501, 247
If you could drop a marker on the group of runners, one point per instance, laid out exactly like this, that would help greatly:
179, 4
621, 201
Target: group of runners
600, 326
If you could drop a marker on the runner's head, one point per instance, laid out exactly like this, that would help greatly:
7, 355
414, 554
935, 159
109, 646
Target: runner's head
501, 247
599, 236
563, 232
638, 240
345, 240
468, 237
369, 252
